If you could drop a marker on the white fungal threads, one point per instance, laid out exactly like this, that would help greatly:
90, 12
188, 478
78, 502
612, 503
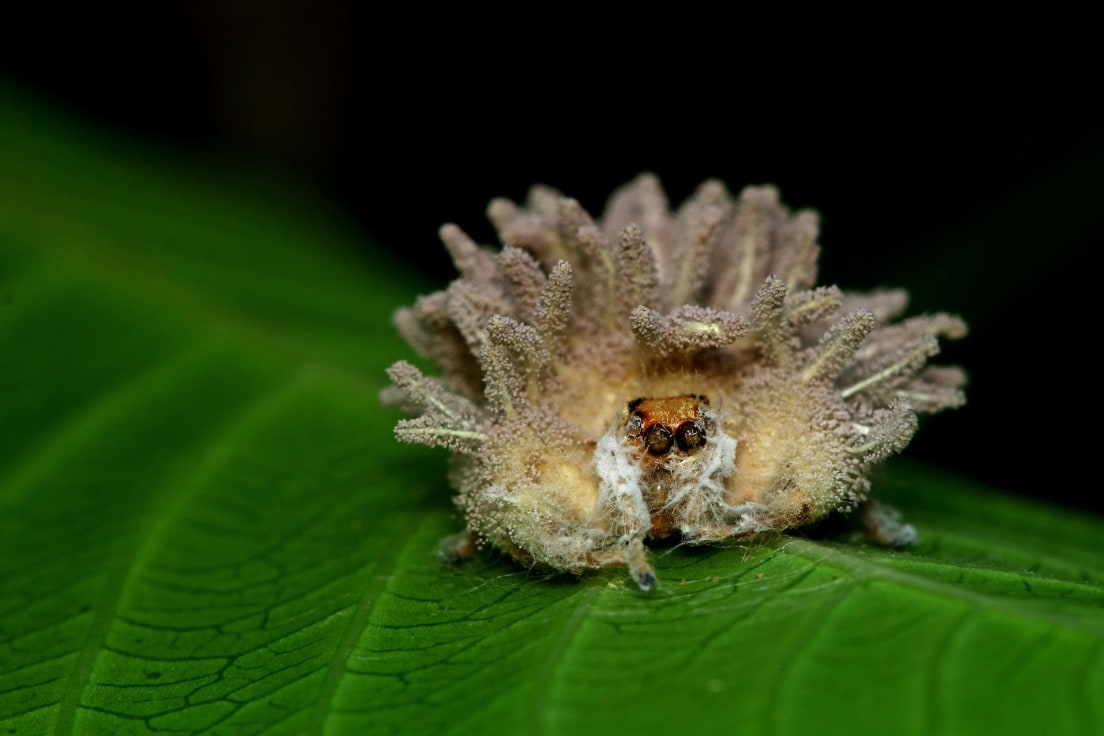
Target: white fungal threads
657, 375
621, 518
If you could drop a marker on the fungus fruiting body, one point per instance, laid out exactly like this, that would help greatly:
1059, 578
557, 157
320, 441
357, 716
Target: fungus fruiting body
660, 375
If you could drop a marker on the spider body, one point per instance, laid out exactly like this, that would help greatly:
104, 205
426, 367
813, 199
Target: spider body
670, 431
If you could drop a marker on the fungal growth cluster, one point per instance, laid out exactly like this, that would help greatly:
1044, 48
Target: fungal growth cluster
658, 374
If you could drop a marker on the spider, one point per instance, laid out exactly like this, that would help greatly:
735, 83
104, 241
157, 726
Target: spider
662, 468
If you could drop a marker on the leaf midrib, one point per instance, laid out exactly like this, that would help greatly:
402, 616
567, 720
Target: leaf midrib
871, 570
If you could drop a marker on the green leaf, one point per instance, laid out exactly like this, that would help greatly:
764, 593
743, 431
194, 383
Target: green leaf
206, 526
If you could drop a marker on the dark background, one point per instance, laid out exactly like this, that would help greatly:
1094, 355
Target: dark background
975, 181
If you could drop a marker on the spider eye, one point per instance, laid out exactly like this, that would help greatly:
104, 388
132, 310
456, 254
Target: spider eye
658, 440
635, 425
690, 436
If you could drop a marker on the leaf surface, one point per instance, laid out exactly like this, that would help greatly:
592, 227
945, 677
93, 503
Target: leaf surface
207, 528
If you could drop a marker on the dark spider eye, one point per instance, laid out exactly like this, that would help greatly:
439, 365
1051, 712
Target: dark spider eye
658, 440
690, 436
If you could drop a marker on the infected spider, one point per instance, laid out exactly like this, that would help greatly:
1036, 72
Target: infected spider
577, 363
682, 459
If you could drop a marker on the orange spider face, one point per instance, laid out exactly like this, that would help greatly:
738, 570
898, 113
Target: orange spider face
666, 424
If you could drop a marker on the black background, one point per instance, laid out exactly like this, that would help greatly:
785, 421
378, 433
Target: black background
970, 175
